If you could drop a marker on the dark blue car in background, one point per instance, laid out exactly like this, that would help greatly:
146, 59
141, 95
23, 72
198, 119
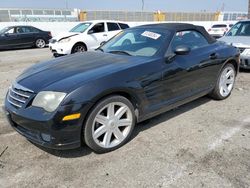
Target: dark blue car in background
23, 36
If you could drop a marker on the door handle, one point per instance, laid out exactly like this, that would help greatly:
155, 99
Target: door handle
105, 35
213, 56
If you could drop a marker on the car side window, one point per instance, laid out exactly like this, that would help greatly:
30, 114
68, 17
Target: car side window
98, 28
123, 26
191, 39
113, 26
26, 30
10, 31
19, 30
32, 29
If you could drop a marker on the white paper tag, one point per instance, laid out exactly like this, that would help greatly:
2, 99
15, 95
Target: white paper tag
151, 35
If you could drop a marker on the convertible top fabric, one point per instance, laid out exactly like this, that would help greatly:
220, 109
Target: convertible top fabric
176, 27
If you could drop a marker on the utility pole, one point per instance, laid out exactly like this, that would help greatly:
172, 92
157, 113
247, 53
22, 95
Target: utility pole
142, 7
248, 9
66, 4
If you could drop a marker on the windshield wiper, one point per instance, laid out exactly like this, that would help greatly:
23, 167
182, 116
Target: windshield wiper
120, 52
99, 49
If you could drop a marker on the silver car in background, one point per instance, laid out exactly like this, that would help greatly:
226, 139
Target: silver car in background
239, 36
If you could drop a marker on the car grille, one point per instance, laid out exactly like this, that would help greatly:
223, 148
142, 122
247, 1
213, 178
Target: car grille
18, 96
242, 50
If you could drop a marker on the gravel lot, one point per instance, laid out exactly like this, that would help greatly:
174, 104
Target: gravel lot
204, 143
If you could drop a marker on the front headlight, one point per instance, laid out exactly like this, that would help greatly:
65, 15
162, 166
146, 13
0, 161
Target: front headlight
48, 100
64, 40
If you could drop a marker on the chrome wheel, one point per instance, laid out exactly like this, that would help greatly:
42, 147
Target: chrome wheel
112, 125
79, 49
40, 43
226, 82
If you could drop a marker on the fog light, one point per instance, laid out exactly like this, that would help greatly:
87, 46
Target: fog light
46, 137
71, 117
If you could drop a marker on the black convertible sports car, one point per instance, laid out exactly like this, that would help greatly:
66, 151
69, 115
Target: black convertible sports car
23, 36
98, 97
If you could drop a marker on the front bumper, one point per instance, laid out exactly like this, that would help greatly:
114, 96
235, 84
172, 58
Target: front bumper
245, 62
60, 49
48, 130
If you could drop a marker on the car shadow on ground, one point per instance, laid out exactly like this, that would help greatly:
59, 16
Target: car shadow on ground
245, 70
84, 150
24, 48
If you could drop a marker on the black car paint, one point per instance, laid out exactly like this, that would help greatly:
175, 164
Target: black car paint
22, 40
153, 84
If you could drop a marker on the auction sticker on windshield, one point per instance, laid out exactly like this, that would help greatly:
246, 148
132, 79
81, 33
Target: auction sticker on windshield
151, 35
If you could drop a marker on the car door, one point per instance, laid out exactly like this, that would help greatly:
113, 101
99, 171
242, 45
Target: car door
8, 39
113, 29
25, 36
97, 35
187, 75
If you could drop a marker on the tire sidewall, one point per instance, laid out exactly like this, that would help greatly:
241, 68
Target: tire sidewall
217, 88
87, 127
40, 39
76, 45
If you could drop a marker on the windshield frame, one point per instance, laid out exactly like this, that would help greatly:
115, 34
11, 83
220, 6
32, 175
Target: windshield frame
160, 51
79, 25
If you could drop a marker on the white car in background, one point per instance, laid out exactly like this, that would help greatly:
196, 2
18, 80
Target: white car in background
86, 36
239, 36
219, 30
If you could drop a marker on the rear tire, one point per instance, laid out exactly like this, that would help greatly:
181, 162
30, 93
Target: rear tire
40, 43
225, 83
109, 124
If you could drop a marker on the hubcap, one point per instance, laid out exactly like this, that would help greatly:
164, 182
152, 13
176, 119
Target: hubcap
40, 43
79, 49
227, 81
112, 125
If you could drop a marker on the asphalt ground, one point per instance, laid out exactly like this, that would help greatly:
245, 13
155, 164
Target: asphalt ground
204, 143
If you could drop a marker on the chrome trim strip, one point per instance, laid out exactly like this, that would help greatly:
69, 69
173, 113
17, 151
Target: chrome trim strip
14, 104
19, 87
20, 94
19, 100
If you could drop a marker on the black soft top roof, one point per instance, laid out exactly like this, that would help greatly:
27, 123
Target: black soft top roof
176, 27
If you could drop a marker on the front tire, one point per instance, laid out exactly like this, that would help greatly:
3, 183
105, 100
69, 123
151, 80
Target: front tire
225, 83
78, 48
109, 124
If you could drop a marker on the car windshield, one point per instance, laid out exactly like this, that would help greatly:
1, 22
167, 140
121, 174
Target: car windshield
240, 29
4, 30
80, 28
137, 42
219, 26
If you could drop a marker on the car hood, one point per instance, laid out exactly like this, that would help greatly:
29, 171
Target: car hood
66, 72
65, 35
238, 41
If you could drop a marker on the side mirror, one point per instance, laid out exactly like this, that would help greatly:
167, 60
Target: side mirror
182, 50
90, 31
179, 50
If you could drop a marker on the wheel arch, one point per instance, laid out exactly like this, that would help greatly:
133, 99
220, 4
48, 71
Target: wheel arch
79, 42
234, 63
126, 94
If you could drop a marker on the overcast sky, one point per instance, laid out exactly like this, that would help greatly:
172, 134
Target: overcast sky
150, 5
